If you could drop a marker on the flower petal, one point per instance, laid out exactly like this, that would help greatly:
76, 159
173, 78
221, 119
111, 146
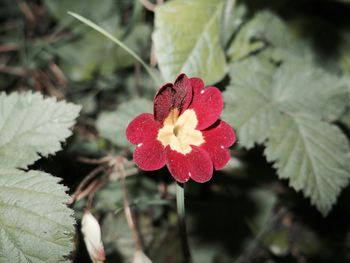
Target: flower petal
196, 165
163, 102
177, 96
142, 129
208, 105
150, 156
217, 138
184, 92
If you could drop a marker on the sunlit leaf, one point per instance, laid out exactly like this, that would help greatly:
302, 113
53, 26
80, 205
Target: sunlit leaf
187, 39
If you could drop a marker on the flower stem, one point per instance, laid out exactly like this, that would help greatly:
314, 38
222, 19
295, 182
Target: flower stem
180, 204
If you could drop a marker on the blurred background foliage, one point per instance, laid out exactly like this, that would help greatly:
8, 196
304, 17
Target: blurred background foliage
245, 214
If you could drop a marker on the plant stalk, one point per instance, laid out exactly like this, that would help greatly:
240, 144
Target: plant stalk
180, 204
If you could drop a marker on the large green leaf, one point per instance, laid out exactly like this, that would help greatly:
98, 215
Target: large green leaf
288, 107
31, 125
187, 39
35, 225
112, 125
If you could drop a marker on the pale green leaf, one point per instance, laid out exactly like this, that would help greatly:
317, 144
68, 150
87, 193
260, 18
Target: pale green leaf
112, 125
35, 225
31, 126
313, 155
187, 39
268, 103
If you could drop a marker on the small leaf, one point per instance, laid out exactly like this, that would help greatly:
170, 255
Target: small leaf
31, 125
35, 225
187, 39
112, 125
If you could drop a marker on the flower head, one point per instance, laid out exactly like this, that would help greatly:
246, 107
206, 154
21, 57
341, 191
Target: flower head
184, 132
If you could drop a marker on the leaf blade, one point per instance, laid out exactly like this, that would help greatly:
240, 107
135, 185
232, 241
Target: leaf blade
30, 124
286, 104
313, 155
193, 46
35, 225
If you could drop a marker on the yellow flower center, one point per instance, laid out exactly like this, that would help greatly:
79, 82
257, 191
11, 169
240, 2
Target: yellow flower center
179, 132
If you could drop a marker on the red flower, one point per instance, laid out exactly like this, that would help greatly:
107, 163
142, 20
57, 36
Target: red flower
184, 133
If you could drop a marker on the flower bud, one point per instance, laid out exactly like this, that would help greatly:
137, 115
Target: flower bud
92, 237
140, 257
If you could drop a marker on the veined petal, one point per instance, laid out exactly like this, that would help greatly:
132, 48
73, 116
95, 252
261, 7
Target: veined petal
184, 92
163, 102
208, 105
150, 156
217, 139
142, 129
169, 97
196, 165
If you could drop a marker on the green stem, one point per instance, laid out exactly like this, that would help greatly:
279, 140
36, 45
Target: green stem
180, 204
118, 42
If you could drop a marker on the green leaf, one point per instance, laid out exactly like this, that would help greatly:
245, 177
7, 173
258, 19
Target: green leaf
35, 225
313, 155
288, 107
112, 125
187, 39
31, 126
